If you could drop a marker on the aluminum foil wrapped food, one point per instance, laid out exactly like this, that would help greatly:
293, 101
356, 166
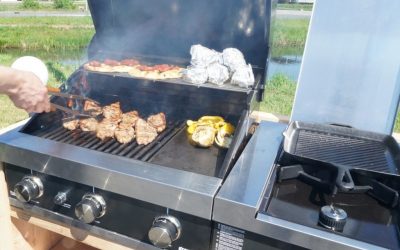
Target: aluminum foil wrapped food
202, 56
243, 76
196, 75
233, 59
217, 74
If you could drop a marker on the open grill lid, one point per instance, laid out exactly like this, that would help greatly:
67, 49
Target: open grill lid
349, 74
168, 28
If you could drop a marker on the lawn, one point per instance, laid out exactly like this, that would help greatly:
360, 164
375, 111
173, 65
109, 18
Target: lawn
279, 95
43, 6
290, 33
45, 33
45, 21
295, 6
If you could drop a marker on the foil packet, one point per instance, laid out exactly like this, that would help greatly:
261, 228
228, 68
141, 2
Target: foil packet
203, 57
243, 76
233, 59
196, 75
217, 73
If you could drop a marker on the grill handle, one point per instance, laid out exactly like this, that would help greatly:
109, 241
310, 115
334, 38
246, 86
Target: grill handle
340, 125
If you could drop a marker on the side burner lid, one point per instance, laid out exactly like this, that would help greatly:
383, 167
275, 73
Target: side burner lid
350, 71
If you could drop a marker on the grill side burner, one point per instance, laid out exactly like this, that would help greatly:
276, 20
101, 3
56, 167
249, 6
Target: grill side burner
369, 220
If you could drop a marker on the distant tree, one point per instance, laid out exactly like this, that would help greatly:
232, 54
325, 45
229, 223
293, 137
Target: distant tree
30, 4
64, 4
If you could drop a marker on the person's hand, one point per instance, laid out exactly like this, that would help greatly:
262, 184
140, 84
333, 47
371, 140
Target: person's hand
29, 93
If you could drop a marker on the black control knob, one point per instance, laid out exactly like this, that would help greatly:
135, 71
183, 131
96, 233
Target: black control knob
91, 207
29, 188
165, 230
332, 218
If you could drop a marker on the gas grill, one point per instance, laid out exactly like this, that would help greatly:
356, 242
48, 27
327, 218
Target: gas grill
160, 194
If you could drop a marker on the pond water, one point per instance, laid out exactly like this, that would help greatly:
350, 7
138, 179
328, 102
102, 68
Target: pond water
64, 57
288, 65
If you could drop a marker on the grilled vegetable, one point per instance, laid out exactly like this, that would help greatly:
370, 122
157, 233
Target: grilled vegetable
204, 136
222, 131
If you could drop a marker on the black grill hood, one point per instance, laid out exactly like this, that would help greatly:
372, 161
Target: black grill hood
168, 28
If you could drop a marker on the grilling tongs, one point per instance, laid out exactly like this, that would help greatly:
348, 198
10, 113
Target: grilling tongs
75, 112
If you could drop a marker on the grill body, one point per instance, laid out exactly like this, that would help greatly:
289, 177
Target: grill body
168, 177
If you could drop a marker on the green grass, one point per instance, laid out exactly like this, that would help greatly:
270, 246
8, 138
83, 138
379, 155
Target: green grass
294, 6
290, 32
43, 6
42, 38
9, 114
284, 51
279, 95
45, 33
397, 123
49, 38
45, 21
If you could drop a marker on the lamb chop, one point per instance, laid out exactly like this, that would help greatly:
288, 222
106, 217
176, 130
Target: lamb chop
112, 111
88, 125
130, 118
106, 128
124, 133
157, 121
92, 108
145, 133
71, 124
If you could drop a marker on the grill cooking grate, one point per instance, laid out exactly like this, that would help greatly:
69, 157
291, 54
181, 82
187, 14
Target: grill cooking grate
343, 150
130, 150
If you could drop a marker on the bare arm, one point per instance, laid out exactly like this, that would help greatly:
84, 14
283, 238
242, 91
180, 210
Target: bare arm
24, 89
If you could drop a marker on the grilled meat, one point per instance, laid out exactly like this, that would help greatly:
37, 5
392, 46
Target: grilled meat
106, 128
71, 124
89, 124
111, 62
92, 108
157, 121
130, 118
112, 111
130, 62
95, 63
124, 133
145, 133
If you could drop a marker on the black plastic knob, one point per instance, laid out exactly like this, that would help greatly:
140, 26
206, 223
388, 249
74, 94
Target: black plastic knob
91, 207
332, 218
29, 188
164, 231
